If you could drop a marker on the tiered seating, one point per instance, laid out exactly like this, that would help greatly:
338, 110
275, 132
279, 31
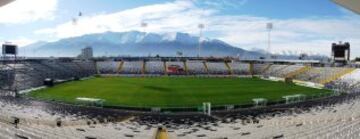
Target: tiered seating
31, 74
340, 120
38, 120
7, 77
196, 67
275, 70
55, 66
154, 67
47, 71
333, 119
55, 71
320, 74
348, 83
132, 67
288, 70
66, 69
106, 131
310, 75
217, 68
107, 67
28, 76
258, 68
240, 68
281, 70
87, 67
353, 76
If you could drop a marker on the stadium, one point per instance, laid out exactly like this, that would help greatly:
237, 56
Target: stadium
180, 97
159, 84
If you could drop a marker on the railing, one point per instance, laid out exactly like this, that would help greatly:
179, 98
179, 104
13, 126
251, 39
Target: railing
297, 72
337, 75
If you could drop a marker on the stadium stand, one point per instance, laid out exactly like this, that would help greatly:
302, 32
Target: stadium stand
291, 68
217, 68
347, 83
196, 67
330, 120
300, 70
107, 67
258, 69
239, 68
132, 67
32, 73
352, 78
154, 67
267, 67
332, 117
6, 78
322, 74
274, 70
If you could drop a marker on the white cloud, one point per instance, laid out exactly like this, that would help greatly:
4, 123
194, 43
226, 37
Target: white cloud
23, 11
172, 16
221, 4
21, 41
313, 34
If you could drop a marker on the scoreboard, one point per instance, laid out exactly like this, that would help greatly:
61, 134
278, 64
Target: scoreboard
341, 52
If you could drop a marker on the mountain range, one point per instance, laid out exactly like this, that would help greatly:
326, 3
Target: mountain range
136, 43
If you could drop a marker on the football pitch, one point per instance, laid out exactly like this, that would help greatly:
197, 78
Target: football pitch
172, 91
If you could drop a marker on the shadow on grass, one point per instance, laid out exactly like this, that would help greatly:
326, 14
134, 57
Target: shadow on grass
157, 88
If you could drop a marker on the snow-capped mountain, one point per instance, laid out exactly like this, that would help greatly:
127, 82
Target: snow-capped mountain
135, 43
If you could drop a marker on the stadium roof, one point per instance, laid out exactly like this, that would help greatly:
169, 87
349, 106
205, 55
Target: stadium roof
353, 5
4, 2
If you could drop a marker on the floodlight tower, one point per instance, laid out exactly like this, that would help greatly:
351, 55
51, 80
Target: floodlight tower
201, 27
269, 27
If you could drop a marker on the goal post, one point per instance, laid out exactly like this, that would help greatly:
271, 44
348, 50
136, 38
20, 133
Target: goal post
294, 98
207, 108
90, 101
258, 102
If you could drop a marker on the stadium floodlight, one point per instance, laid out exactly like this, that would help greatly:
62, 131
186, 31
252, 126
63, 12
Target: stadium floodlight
201, 27
269, 27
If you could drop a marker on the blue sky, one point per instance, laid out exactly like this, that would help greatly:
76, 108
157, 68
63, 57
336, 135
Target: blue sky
300, 25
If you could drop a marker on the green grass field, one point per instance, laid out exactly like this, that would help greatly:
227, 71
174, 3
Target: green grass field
172, 92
